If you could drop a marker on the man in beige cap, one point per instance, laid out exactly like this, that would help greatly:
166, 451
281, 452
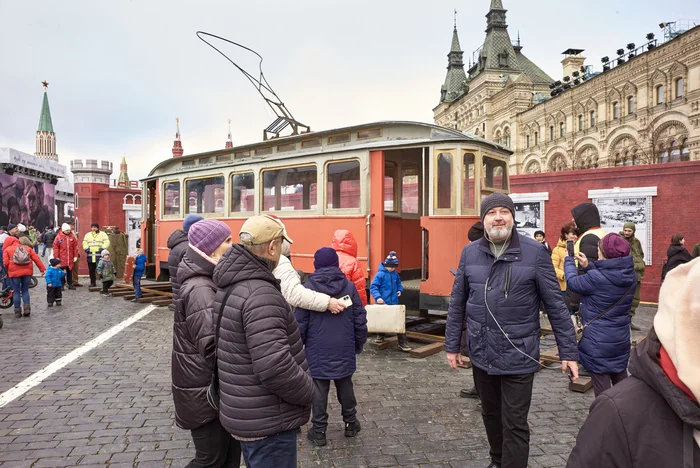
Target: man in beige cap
265, 388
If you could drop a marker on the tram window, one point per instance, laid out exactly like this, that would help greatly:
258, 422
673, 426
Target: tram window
189, 162
494, 174
311, 143
242, 192
205, 196
286, 147
223, 157
369, 133
390, 185
444, 181
241, 154
343, 185
339, 138
409, 190
263, 151
290, 189
468, 183
204, 160
171, 199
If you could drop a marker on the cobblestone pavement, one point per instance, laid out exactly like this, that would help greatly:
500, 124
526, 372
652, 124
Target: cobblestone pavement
112, 406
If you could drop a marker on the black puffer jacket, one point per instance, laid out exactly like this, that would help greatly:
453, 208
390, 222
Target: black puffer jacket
645, 421
677, 255
264, 384
193, 342
177, 243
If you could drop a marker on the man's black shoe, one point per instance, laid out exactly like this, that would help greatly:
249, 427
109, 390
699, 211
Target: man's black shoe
317, 438
493, 465
634, 327
351, 429
468, 393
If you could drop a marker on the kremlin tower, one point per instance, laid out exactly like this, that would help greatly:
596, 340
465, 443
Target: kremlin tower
45, 136
229, 141
177, 144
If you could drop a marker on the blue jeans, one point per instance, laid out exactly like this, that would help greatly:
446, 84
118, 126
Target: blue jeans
21, 290
278, 451
43, 252
137, 285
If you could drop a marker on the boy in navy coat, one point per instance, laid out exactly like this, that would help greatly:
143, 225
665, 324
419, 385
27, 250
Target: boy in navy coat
332, 342
386, 288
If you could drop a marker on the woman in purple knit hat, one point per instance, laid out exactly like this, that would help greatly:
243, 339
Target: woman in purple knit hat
607, 289
194, 346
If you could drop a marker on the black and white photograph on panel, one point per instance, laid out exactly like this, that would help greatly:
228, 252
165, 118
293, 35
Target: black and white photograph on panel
529, 218
615, 212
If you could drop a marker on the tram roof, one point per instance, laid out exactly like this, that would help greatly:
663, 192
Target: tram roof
393, 134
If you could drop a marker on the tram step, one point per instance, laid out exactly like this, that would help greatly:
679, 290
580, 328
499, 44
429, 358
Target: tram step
581, 385
386, 343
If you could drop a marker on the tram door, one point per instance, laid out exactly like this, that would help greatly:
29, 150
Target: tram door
403, 206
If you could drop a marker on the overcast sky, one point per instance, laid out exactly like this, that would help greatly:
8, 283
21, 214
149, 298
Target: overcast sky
120, 72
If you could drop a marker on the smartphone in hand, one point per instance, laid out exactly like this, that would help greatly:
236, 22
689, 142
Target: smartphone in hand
346, 301
570, 248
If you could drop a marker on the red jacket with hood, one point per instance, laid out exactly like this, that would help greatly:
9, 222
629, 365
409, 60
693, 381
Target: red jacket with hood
345, 245
65, 247
14, 270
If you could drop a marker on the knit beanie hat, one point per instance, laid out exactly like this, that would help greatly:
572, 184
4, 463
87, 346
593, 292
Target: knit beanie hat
496, 200
630, 225
21, 227
105, 252
94, 225
10, 227
677, 323
207, 235
476, 232
55, 262
325, 257
391, 260
614, 246
189, 221
65, 227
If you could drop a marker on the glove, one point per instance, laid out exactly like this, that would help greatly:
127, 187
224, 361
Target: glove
75, 259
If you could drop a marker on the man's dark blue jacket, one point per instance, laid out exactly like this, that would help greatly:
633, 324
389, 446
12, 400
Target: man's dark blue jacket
514, 285
332, 340
605, 346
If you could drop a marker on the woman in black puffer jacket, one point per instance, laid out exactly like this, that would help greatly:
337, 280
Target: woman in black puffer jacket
677, 255
194, 347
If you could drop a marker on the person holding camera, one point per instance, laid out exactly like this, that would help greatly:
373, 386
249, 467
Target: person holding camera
606, 288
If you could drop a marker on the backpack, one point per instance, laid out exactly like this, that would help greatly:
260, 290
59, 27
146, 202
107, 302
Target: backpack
21, 256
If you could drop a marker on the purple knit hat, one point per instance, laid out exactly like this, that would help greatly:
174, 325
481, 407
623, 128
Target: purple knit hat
207, 235
614, 246
325, 257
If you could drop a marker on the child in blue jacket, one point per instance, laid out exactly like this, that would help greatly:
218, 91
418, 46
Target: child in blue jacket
386, 288
54, 282
139, 269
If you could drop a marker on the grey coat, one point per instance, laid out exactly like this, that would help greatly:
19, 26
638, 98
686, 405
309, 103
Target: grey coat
264, 383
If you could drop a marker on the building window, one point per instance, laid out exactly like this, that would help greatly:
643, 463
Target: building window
527, 141
592, 118
630, 105
243, 193
561, 129
390, 186
343, 185
506, 137
171, 199
551, 132
468, 183
206, 195
616, 110
290, 189
580, 122
679, 88
444, 181
537, 135
409, 190
660, 94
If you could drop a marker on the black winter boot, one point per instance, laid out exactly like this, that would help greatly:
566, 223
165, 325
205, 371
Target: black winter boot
317, 438
58, 303
351, 429
27, 310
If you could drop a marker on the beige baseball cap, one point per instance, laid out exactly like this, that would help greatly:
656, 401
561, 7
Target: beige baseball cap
264, 229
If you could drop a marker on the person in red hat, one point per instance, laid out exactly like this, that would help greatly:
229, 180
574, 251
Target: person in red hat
607, 289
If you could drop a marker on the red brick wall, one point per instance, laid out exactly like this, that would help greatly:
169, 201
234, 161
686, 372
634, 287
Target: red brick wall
674, 209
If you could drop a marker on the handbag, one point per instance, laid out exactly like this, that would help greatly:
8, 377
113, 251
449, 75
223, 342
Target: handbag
579, 326
213, 388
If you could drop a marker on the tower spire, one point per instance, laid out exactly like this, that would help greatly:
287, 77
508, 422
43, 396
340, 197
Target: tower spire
45, 136
177, 144
455, 81
229, 141
123, 174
